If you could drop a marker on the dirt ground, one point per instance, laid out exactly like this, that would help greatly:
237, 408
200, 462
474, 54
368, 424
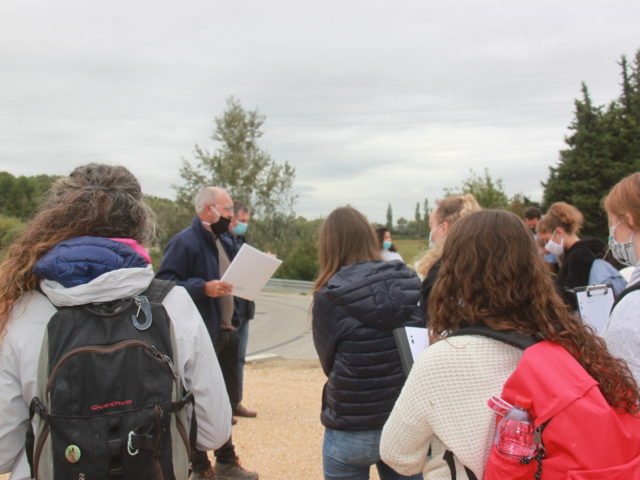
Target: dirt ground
284, 442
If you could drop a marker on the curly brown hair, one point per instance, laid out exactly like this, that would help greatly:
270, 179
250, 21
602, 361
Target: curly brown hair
493, 275
95, 199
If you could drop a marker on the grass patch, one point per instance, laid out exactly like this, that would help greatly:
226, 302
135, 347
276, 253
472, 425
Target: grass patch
410, 248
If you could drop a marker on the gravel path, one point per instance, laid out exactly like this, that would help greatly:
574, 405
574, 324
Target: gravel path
284, 442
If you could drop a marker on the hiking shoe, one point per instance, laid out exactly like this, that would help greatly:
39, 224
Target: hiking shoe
242, 411
206, 475
233, 471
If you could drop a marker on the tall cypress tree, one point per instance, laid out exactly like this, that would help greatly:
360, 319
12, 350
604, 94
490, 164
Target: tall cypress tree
604, 147
418, 219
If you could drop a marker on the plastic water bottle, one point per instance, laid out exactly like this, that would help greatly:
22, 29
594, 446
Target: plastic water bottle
515, 435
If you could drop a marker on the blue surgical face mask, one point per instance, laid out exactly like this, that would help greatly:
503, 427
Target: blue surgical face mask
240, 228
386, 245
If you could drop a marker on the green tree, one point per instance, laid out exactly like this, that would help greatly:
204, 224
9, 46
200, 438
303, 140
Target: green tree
402, 226
488, 193
418, 218
293, 239
240, 166
21, 196
10, 227
604, 147
171, 218
426, 212
389, 224
519, 203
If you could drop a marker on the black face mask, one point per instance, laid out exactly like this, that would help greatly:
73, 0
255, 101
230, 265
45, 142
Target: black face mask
221, 226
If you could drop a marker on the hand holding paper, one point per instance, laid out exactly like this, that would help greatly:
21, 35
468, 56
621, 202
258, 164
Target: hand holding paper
249, 272
217, 288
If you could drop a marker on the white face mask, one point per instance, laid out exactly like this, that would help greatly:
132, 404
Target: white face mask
624, 252
432, 242
556, 248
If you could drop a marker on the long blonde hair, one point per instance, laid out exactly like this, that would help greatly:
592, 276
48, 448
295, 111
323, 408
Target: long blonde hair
449, 210
346, 237
95, 199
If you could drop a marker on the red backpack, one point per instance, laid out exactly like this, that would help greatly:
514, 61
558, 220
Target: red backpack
580, 436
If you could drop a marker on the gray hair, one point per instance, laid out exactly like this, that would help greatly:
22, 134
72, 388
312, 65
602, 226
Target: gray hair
100, 200
205, 196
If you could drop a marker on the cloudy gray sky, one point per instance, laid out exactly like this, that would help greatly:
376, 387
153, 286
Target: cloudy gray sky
371, 101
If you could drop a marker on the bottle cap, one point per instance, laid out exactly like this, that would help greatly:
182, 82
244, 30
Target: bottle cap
522, 402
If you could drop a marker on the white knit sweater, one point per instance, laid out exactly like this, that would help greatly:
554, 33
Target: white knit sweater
622, 334
444, 405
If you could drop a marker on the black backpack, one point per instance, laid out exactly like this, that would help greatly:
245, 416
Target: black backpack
632, 288
110, 402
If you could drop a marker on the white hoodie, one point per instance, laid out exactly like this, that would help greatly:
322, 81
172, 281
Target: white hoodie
20, 348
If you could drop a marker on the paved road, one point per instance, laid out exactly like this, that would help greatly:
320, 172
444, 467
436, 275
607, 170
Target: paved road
282, 326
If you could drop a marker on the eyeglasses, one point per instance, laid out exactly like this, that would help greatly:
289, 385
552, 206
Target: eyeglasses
221, 207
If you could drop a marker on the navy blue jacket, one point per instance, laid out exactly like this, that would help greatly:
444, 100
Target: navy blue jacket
77, 261
354, 315
191, 260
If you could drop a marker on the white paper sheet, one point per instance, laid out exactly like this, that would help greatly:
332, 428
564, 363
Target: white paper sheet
249, 271
418, 338
594, 305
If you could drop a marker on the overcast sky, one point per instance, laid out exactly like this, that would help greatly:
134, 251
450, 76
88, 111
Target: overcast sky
372, 102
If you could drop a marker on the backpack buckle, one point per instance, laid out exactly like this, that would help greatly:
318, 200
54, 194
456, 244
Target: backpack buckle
142, 303
130, 448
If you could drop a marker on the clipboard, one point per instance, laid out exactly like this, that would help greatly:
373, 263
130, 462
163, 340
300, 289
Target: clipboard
411, 342
594, 305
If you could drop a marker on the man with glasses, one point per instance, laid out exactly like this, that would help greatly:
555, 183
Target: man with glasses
244, 308
196, 259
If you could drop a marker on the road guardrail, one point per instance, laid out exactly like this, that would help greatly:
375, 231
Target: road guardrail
285, 285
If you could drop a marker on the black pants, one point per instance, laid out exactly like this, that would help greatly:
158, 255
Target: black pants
226, 346
225, 454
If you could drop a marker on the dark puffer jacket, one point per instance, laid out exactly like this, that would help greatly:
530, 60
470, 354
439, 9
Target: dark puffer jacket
353, 320
576, 265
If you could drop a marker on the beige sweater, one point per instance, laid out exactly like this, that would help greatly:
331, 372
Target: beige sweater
444, 405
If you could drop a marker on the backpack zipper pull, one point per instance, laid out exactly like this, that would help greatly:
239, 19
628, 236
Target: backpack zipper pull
142, 303
165, 358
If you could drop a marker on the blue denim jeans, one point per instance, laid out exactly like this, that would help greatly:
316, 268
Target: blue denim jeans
350, 455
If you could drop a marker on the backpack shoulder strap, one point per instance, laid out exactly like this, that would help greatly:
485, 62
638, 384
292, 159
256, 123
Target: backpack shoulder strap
158, 289
510, 337
632, 288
